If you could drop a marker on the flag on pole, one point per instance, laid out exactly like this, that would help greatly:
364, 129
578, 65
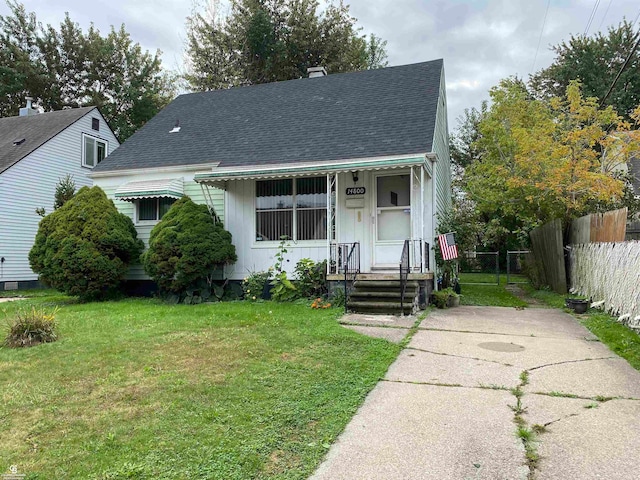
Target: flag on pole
448, 246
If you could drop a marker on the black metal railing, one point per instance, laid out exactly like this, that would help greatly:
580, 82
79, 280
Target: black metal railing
338, 257
350, 267
404, 273
419, 250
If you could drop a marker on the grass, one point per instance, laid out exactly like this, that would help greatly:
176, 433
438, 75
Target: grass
139, 389
36, 292
618, 337
489, 295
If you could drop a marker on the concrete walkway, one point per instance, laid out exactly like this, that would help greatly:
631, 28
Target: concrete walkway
447, 408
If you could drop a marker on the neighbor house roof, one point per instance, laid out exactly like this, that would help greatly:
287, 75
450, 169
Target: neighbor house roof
366, 114
19, 136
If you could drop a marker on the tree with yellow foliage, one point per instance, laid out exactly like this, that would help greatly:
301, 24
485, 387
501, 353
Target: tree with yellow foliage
542, 160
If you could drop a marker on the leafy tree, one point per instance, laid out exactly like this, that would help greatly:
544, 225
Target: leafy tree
65, 190
543, 160
186, 247
70, 68
595, 61
271, 40
85, 247
464, 141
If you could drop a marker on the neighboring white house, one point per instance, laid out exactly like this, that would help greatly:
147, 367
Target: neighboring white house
327, 161
36, 151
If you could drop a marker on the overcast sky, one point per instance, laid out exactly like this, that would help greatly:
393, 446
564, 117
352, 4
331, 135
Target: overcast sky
480, 41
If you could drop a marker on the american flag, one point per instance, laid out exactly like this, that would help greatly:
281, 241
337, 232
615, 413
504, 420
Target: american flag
448, 246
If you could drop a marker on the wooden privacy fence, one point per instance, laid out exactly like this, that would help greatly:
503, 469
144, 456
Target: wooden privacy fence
599, 227
609, 272
546, 244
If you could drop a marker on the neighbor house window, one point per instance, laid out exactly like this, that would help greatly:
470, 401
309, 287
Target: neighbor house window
292, 208
93, 151
153, 208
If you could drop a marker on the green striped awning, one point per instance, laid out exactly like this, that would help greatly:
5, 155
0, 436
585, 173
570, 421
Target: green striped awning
171, 188
220, 175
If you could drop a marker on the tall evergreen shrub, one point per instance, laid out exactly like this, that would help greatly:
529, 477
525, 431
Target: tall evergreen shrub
186, 247
85, 247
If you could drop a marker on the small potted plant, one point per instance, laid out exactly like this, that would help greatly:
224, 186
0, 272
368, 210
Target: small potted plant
445, 298
578, 305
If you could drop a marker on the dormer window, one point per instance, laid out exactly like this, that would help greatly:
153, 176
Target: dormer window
93, 150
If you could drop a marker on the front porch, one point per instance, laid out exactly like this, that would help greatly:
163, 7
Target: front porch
365, 217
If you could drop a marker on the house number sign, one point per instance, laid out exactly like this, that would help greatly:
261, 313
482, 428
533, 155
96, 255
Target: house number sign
356, 191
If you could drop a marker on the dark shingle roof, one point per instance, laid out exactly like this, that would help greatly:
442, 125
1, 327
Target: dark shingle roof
35, 130
371, 113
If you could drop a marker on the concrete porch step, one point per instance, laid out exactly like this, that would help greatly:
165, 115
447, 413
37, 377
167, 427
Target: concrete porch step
383, 285
382, 295
380, 307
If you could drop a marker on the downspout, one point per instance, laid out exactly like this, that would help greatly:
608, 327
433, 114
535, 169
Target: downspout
434, 177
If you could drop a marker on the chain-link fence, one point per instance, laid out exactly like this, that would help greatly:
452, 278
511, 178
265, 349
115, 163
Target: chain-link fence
516, 264
479, 268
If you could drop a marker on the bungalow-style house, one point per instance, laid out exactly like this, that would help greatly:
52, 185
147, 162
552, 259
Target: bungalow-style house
352, 166
37, 150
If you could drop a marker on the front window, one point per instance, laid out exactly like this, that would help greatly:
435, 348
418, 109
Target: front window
291, 208
93, 152
150, 209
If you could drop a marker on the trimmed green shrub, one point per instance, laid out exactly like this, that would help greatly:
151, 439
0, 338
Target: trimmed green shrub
32, 327
85, 247
185, 249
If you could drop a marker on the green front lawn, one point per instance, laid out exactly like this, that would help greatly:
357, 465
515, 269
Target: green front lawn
137, 389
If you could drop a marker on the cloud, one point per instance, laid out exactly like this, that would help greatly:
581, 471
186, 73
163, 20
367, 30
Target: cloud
481, 41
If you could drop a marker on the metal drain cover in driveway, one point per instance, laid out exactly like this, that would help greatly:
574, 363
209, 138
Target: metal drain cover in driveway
501, 346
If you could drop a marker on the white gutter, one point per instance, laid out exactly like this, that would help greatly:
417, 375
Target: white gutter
138, 171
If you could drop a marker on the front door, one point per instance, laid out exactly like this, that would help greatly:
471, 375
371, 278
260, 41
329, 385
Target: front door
392, 225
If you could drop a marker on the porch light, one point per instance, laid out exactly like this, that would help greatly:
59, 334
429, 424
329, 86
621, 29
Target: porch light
355, 177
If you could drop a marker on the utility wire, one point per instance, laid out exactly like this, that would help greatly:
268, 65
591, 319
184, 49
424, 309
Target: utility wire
591, 17
624, 65
605, 15
535, 57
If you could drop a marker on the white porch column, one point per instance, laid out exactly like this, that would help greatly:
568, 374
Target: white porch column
328, 223
422, 252
412, 217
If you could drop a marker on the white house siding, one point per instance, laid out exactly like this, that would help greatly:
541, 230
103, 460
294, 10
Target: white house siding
111, 183
256, 256
441, 149
31, 183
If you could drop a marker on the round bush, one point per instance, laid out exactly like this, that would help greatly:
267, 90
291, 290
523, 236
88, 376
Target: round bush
185, 248
84, 248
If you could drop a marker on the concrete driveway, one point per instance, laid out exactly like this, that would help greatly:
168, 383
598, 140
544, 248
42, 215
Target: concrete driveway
448, 407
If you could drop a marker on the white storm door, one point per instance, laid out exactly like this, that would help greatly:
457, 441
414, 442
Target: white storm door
393, 218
